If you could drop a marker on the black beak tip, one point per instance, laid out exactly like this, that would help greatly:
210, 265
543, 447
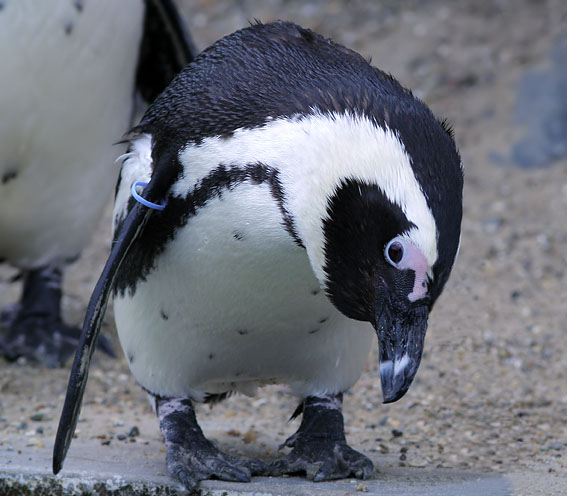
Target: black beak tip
396, 385
393, 396
391, 393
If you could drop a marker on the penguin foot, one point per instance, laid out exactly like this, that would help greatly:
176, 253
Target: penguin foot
33, 328
319, 446
190, 457
42, 339
9, 314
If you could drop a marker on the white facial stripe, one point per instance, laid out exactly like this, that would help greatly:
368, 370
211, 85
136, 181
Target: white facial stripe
313, 155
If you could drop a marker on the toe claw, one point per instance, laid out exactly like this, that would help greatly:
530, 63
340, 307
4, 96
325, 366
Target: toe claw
185, 479
256, 467
276, 468
318, 473
280, 467
235, 474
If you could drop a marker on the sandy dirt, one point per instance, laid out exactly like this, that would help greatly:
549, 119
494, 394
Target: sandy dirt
491, 393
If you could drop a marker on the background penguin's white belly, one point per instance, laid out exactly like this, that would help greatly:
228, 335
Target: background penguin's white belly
232, 303
66, 94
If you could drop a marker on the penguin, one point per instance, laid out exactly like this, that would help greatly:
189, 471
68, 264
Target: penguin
282, 204
70, 70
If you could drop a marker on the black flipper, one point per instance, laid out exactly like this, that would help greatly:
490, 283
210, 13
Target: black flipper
131, 229
166, 48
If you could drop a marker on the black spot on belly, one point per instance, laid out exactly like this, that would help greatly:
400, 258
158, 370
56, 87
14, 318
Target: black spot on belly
313, 331
315, 292
242, 332
68, 28
238, 235
323, 320
73, 259
79, 4
211, 356
130, 357
8, 175
164, 316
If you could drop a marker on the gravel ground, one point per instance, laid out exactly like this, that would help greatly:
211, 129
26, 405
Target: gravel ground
491, 394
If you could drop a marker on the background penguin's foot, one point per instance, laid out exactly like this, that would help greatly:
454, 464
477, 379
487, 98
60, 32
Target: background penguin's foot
33, 328
47, 341
190, 457
319, 446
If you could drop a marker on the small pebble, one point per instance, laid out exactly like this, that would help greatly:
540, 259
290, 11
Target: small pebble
133, 432
250, 436
417, 462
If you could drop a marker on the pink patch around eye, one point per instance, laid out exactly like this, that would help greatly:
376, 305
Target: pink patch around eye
415, 260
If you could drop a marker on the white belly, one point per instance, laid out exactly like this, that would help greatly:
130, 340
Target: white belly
66, 95
219, 313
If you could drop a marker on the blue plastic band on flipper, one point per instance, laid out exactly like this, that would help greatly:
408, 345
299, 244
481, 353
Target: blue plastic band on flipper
142, 200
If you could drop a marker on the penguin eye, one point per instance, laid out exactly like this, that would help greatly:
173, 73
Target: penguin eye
394, 252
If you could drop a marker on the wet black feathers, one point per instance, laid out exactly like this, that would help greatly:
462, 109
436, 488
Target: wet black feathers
267, 71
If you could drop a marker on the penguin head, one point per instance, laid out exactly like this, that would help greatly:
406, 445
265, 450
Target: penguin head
391, 237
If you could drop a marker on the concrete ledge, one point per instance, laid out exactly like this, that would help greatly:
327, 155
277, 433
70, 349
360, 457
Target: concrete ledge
124, 472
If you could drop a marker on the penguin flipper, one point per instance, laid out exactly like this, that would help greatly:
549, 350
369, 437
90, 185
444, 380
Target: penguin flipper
166, 48
131, 229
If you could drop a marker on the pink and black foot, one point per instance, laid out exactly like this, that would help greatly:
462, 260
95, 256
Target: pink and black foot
34, 328
190, 456
319, 447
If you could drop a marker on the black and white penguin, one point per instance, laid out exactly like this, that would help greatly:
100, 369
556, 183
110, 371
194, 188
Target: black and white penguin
299, 203
69, 73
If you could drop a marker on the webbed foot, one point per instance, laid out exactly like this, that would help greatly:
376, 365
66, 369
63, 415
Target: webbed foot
190, 457
319, 447
34, 328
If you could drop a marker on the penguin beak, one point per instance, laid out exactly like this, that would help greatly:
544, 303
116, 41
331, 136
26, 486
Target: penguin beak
400, 340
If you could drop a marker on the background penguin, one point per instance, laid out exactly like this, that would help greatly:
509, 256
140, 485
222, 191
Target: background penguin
69, 73
300, 202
